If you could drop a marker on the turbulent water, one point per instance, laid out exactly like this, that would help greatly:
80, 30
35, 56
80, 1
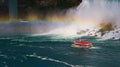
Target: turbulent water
56, 51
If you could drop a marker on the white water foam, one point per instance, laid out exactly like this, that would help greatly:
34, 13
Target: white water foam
115, 35
50, 59
54, 60
4, 56
95, 47
68, 32
31, 46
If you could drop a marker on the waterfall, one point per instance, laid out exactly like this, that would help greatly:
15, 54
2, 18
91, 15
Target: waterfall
97, 12
12, 9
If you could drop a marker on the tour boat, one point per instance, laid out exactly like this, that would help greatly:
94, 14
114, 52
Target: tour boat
82, 44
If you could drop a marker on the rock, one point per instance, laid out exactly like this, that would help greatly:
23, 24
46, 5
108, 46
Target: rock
49, 4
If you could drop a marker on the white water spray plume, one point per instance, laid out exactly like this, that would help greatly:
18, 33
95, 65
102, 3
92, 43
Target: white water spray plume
100, 18
100, 14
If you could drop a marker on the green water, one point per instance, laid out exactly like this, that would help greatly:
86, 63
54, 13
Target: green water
56, 51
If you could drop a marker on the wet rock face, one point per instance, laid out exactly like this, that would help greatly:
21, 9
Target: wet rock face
58, 3
49, 4
44, 7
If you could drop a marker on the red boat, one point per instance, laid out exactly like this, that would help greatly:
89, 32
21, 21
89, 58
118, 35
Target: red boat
82, 44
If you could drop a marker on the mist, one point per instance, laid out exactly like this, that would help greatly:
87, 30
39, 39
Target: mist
100, 18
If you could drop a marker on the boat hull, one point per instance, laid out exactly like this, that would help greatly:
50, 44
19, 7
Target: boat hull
79, 46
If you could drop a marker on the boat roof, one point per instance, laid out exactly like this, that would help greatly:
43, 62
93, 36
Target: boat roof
83, 43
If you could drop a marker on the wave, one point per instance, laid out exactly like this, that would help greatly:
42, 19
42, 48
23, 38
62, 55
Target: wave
53, 60
50, 59
33, 46
4, 56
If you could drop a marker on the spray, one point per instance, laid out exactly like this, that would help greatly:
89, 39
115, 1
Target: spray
102, 14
